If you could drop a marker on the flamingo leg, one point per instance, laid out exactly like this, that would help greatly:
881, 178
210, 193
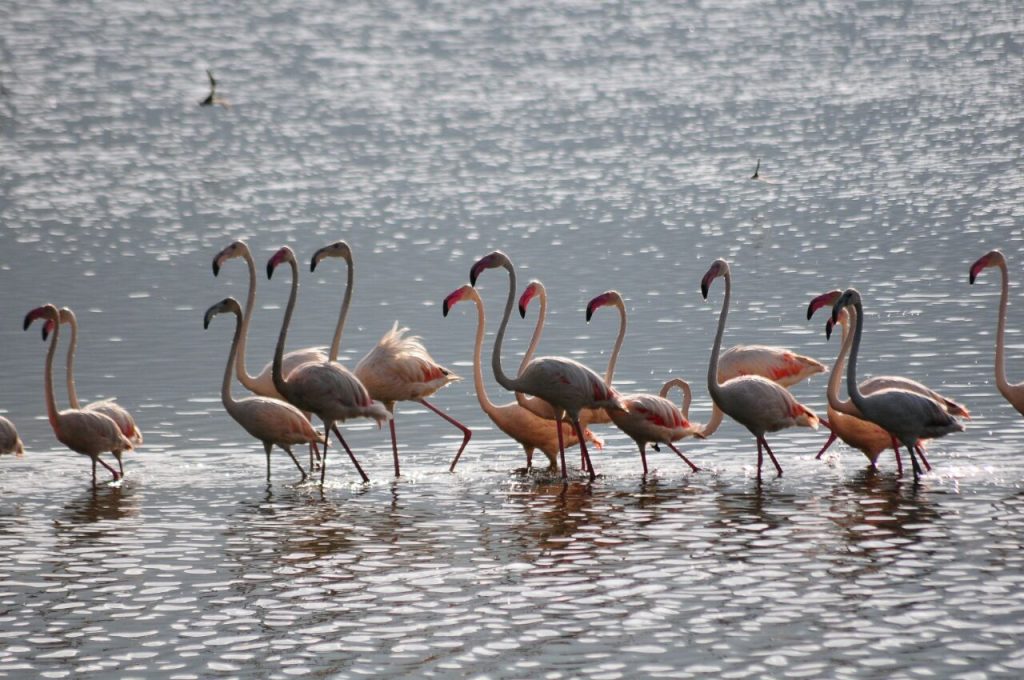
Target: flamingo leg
104, 464
760, 458
561, 450
323, 460
94, 470
778, 468
466, 432
583, 447
899, 461
394, 443
120, 464
913, 459
529, 458
685, 459
295, 460
643, 455
352, 457
920, 452
266, 448
831, 438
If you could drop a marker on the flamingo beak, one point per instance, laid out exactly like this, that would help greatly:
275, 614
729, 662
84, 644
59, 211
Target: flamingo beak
216, 265
705, 285
829, 325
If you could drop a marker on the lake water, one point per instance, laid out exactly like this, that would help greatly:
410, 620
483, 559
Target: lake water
601, 146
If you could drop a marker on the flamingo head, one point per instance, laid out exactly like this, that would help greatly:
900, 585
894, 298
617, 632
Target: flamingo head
825, 299
849, 297
718, 268
336, 249
228, 304
992, 258
48, 328
609, 297
236, 249
495, 259
284, 254
533, 289
457, 295
48, 312
829, 325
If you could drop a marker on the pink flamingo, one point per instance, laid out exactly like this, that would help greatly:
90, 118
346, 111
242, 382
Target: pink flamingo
399, 368
909, 416
757, 403
566, 384
647, 418
10, 442
325, 388
269, 420
108, 407
1014, 393
86, 432
843, 417
530, 430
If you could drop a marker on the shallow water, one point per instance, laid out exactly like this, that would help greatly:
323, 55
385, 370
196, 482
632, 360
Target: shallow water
601, 147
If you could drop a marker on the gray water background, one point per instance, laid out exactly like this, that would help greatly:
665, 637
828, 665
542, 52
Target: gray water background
601, 146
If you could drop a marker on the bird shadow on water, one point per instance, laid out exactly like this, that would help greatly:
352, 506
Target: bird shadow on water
101, 504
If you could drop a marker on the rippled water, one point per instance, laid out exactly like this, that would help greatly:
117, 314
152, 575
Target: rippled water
601, 146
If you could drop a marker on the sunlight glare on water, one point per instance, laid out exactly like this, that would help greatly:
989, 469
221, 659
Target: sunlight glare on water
600, 146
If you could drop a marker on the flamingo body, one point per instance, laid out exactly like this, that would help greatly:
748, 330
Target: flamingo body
777, 364
399, 368
10, 442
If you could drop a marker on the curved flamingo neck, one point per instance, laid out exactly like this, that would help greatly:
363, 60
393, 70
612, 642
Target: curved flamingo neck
538, 328
852, 388
277, 368
69, 369
250, 303
486, 404
684, 387
1005, 388
713, 387
346, 300
836, 376
225, 388
610, 372
499, 374
51, 404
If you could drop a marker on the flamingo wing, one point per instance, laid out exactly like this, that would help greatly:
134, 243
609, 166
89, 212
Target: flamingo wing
400, 368
270, 420
777, 364
90, 433
885, 382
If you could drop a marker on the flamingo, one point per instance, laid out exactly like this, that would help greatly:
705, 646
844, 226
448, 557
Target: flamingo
755, 402
647, 418
566, 384
844, 418
1014, 393
10, 442
272, 421
909, 416
86, 432
399, 368
324, 388
108, 407
530, 430
539, 406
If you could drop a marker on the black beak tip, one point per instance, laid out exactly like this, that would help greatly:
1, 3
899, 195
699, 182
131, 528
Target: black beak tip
270, 270
444, 309
704, 290
590, 313
972, 277
216, 268
522, 311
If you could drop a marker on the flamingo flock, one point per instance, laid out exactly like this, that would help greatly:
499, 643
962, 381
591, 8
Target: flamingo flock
557, 400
